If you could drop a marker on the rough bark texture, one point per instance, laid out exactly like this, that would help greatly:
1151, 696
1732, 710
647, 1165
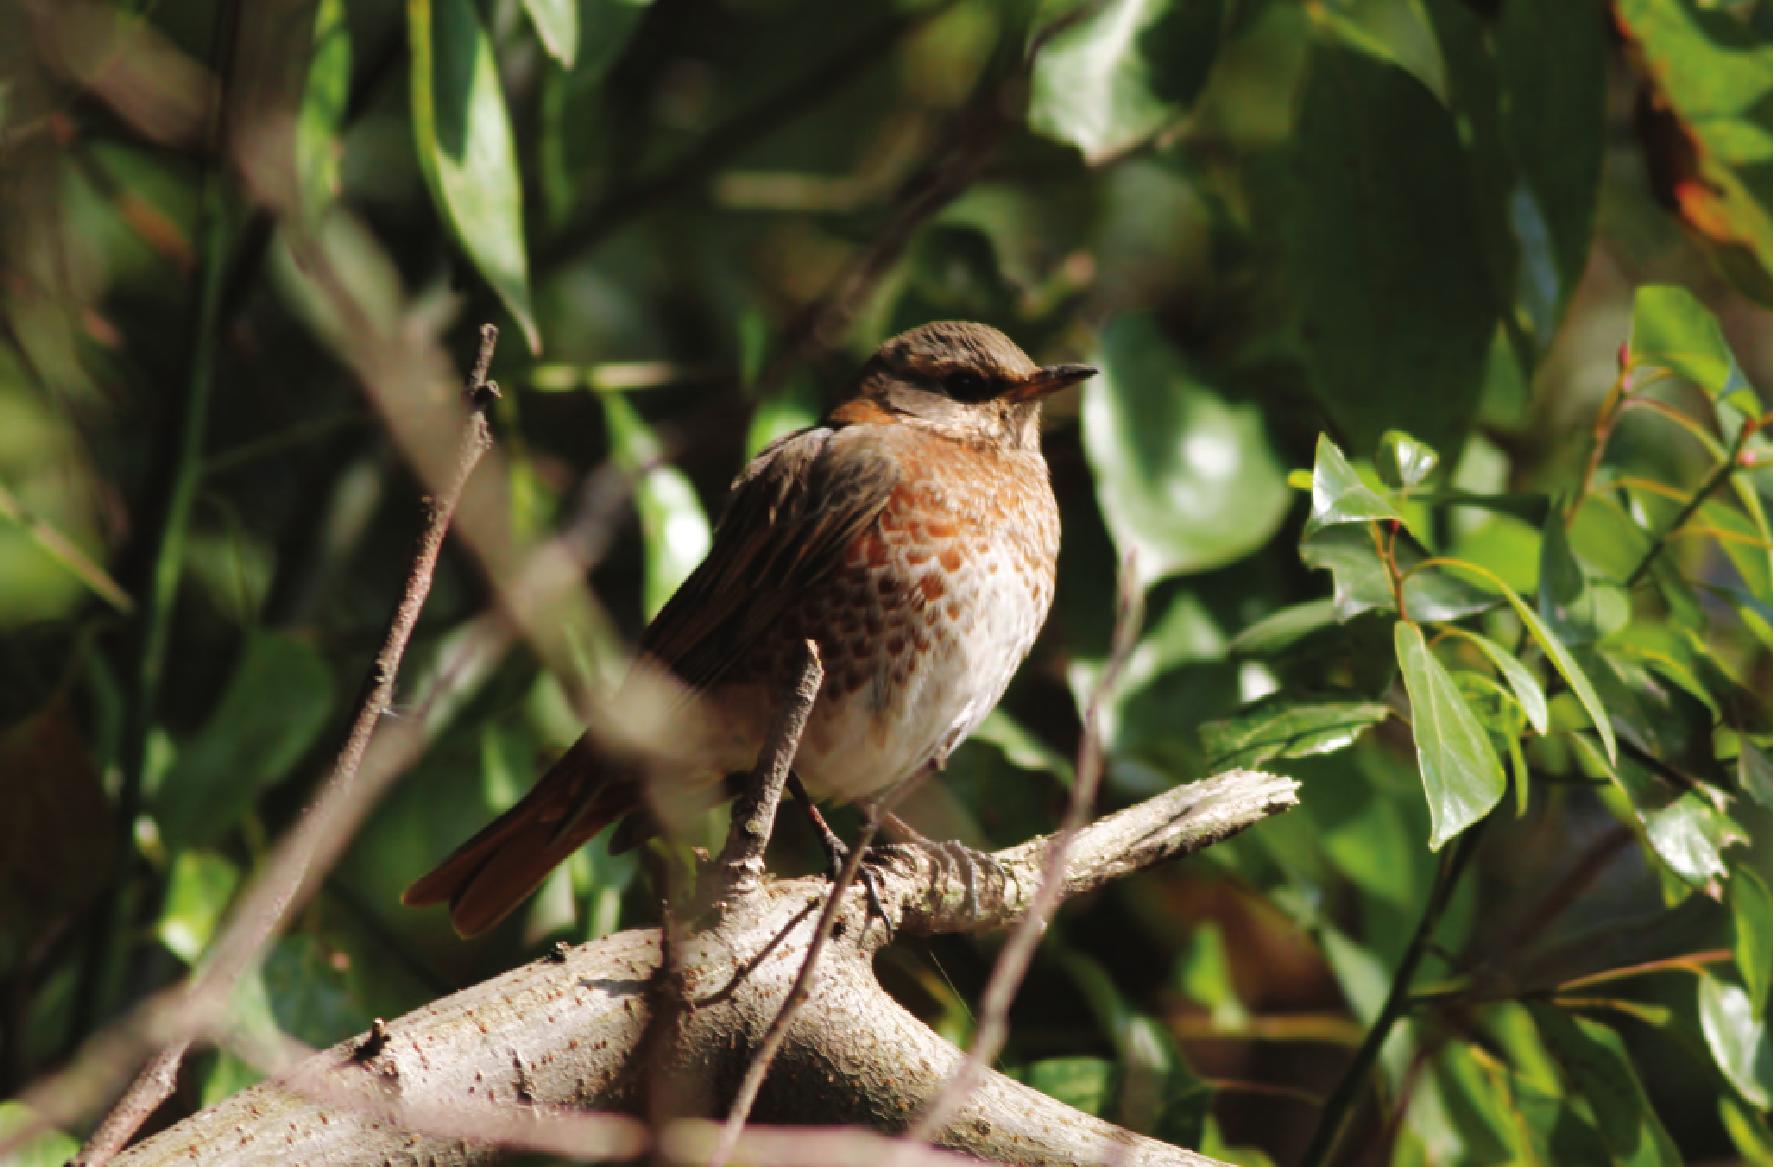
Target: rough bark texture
510, 1061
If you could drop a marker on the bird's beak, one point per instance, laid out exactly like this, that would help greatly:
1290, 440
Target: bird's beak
1045, 381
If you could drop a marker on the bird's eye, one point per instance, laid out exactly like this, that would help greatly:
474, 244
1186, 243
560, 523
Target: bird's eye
964, 385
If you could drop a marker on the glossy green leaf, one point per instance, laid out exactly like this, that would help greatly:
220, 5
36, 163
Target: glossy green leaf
1461, 772
1282, 727
1339, 493
557, 24
1674, 331
1682, 827
1382, 252
1403, 460
1124, 71
674, 528
1578, 609
464, 138
1748, 898
321, 115
1524, 686
52, 1148
1737, 1031
1558, 654
1595, 1066
273, 708
1352, 553
199, 888
1187, 480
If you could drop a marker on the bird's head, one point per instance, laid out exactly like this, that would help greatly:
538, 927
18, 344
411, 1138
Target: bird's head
967, 381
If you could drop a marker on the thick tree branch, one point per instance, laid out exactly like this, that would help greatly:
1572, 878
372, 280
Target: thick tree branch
462, 1078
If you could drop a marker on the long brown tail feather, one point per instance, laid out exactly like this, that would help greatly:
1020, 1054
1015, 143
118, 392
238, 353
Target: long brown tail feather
487, 877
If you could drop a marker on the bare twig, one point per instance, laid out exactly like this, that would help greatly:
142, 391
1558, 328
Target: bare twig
153, 1086
742, 862
760, 1065
1014, 959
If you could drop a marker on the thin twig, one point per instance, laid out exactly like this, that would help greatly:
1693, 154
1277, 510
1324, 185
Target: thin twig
1722, 471
1014, 959
1342, 1101
262, 914
742, 861
153, 1086
774, 1037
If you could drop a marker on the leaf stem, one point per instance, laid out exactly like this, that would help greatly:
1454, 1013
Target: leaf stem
1722, 471
1335, 1117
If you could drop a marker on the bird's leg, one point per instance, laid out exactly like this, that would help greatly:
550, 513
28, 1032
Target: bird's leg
968, 863
836, 851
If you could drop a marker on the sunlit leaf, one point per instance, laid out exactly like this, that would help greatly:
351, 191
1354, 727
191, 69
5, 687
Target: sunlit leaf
1122, 72
1523, 683
1360, 581
320, 117
557, 24
1280, 726
1674, 331
1340, 495
1187, 479
270, 713
1403, 460
198, 890
465, 147
1462, 776
1273, 633
1737, 1031
1687, 831
1082, 1083
673, 524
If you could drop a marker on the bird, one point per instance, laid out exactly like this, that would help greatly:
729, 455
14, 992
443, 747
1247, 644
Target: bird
912, 535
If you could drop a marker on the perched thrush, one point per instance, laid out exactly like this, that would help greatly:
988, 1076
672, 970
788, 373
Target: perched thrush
912, 535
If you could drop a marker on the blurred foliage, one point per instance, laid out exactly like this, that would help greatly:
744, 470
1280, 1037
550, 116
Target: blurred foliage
1491, 276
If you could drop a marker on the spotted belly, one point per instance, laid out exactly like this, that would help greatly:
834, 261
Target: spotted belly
921, 629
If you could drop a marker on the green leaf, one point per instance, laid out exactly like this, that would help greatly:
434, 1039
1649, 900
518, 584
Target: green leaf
1204, 975
1282, 727
1558, 654
1673, 330
1122, 73
1594, 1065
1340, 495
1737, 1031
1352, 553
52, 1148
321, 115
1187, 480
1578, 609
1682, 827
275, 705
1382, 252
1022, 748
674, 529
1523, 683
1403, 460
1754, 768
465, 148
557, 24
1749, 1132
795, 407
1462, 776
198, 890
1284, 627
1082, 1083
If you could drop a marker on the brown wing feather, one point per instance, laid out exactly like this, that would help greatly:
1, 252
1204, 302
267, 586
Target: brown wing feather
793, 513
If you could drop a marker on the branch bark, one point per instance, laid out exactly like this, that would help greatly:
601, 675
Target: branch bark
518, 1060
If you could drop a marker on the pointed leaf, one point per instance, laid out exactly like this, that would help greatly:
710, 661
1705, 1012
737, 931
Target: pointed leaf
1462, 776
1340, 495
1596, 1067
465, 147
1524, 686
557, 24
1281, 727
674, 528
322, 112
1403, 460
1738, 1035
1673, 330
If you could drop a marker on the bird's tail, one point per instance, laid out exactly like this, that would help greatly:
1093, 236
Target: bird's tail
494, 872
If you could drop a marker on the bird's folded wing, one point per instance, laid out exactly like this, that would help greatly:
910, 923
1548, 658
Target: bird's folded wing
794, 513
